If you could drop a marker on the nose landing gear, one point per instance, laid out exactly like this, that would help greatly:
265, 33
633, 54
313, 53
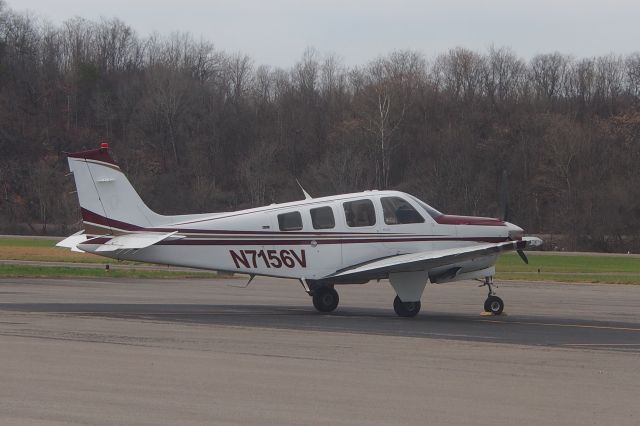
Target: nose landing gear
493, 304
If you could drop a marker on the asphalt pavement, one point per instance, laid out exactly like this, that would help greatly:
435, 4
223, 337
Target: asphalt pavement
209, 352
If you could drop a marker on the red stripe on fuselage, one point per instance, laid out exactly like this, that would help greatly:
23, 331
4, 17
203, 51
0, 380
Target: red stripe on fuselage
89, 216
279, 238
201, 242
197, 242
468, 220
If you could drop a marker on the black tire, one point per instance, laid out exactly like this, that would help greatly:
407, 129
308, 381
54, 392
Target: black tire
406, 309
325, 299
494, 304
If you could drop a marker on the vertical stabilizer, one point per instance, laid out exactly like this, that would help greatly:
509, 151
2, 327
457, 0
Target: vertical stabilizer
108, 202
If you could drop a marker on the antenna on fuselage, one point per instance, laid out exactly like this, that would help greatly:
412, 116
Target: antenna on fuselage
306, 194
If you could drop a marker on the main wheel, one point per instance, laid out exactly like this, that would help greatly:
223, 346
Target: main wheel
406, 309
325, 299
494, 304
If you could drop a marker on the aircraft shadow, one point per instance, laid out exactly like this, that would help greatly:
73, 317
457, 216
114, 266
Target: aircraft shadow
520, 330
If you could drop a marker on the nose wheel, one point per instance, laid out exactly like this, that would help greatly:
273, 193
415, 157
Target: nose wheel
493, 304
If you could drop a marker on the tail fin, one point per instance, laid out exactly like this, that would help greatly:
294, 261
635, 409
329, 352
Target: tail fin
108, 202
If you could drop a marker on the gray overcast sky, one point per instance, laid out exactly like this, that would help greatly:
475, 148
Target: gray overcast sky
276, 32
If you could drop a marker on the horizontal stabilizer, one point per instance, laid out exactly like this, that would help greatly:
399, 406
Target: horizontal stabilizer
136, 241
72, 241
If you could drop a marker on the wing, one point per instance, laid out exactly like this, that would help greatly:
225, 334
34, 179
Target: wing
424, 261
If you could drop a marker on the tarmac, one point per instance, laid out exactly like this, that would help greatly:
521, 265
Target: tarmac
164, 352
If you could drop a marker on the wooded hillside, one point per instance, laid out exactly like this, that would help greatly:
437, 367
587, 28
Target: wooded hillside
198, 129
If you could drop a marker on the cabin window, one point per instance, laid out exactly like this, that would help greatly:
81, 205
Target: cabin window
290, 221
322, 218
430, 210
398, 211
359, 213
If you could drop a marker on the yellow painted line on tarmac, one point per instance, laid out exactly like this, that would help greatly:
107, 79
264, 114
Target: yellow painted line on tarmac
545, 324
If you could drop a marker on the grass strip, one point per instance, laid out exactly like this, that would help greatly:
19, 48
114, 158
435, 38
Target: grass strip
27, 242
564, 278
45, 250
27, 271
547, 263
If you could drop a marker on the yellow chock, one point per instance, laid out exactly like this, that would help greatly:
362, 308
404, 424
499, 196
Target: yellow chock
490, 314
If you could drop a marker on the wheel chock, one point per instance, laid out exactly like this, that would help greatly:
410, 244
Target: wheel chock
491, 314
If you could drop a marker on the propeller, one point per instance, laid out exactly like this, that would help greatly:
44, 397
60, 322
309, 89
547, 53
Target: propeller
523, 256
504, 207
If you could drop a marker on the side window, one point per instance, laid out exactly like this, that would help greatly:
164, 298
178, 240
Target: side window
359, 213
322, 218
290, 221
397, 211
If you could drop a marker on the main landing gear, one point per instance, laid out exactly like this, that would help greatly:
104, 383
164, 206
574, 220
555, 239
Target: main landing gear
325, 298
493, 304
406, 309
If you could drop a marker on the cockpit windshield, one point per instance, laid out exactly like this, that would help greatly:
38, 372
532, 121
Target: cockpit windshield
430, 210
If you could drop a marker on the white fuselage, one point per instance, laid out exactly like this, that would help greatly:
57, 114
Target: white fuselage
285, 240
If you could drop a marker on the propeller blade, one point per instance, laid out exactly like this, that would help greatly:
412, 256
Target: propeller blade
523, 256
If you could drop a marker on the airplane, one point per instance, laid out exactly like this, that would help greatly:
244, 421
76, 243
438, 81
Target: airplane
321, 242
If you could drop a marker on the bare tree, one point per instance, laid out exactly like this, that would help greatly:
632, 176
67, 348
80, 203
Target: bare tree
380, 119
239, 71
549, 75
502, 75
460, 71
633, 74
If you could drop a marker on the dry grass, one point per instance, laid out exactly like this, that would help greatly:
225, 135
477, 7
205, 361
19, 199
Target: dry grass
48, 254
44, 250
27, 271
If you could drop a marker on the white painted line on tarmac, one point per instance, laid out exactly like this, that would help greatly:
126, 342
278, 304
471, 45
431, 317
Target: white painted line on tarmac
601, 344
597, 327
